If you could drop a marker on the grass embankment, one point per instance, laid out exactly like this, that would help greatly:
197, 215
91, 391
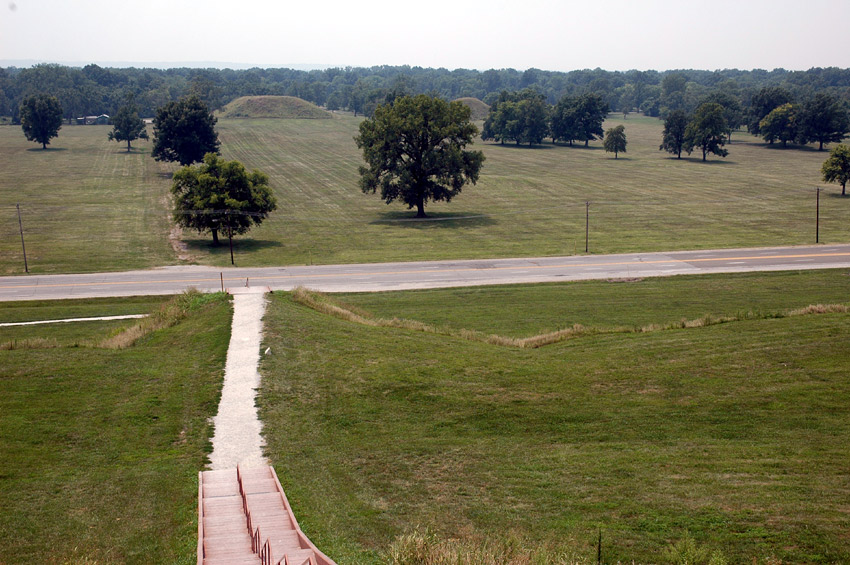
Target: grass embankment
100, 446
86, 204
287, 107
734, 434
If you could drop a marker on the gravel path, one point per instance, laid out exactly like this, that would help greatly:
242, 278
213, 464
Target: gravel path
237, 438
66, 320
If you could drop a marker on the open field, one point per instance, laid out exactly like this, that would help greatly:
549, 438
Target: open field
531, 201
88, 206
735, 433
101, 447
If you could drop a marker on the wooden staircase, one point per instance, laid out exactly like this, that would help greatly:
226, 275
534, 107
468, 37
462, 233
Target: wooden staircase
245, 518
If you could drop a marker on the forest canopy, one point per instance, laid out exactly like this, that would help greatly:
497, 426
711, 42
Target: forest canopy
95, 90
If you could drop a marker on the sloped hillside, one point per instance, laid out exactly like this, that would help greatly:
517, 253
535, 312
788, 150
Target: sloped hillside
479, 108
287, 107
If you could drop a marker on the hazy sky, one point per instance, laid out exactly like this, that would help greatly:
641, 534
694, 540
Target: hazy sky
546, 34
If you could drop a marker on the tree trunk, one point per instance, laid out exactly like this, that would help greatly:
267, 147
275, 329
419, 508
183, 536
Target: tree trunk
842, 188
586, 141
44, 145
215, 236
615, 154
820, 147
128, 146
679, 154
420, 208
703, 153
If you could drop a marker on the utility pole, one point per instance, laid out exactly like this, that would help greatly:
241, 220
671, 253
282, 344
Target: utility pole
817, 218
586, 224
24, 247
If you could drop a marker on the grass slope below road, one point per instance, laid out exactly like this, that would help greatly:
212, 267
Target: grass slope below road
526, 310
101, 448
734, 433
86, 204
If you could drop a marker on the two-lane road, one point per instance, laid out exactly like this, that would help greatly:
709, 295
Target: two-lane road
431, 274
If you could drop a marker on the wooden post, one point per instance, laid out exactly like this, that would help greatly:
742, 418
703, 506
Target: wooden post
21, 227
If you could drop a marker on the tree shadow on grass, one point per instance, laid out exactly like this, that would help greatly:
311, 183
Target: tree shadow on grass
709, 161
240, 244
512, 145
794, 147
169, 175
837, 195
132, 151
48, 150
452, 220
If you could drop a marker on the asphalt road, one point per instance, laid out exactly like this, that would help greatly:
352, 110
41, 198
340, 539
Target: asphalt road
432, 274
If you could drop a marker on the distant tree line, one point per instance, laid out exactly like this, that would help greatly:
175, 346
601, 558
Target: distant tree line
94, 90
526, 117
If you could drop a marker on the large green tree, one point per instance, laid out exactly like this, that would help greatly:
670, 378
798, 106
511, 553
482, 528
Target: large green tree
837, 167
823, 119
707, 130
673, 136
415, 151
521, 117
615, 140
41, 118
563, 121
763, 102
780, 124
184, 131
221, 196
127, 125
732, 111
591, 110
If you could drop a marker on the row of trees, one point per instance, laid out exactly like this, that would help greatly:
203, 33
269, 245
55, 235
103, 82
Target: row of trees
821, 119
706, 129
525, 117
93, 90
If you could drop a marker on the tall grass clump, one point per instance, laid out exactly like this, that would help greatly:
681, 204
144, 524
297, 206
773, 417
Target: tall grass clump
425, 548
168, 314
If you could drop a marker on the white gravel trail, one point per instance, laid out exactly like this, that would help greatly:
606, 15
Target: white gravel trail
237, 438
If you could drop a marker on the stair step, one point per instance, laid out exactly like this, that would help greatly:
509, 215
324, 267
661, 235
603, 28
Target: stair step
298, 557
220, 476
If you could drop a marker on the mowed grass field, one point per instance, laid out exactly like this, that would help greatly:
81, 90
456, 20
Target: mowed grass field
87, 205
531, 201
734, 434
101, 447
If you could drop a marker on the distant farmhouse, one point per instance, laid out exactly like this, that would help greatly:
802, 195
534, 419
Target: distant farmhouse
100, 120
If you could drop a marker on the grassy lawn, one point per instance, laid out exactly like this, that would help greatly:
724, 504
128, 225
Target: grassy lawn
529, 201
101, 447
87, 205
735, 434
